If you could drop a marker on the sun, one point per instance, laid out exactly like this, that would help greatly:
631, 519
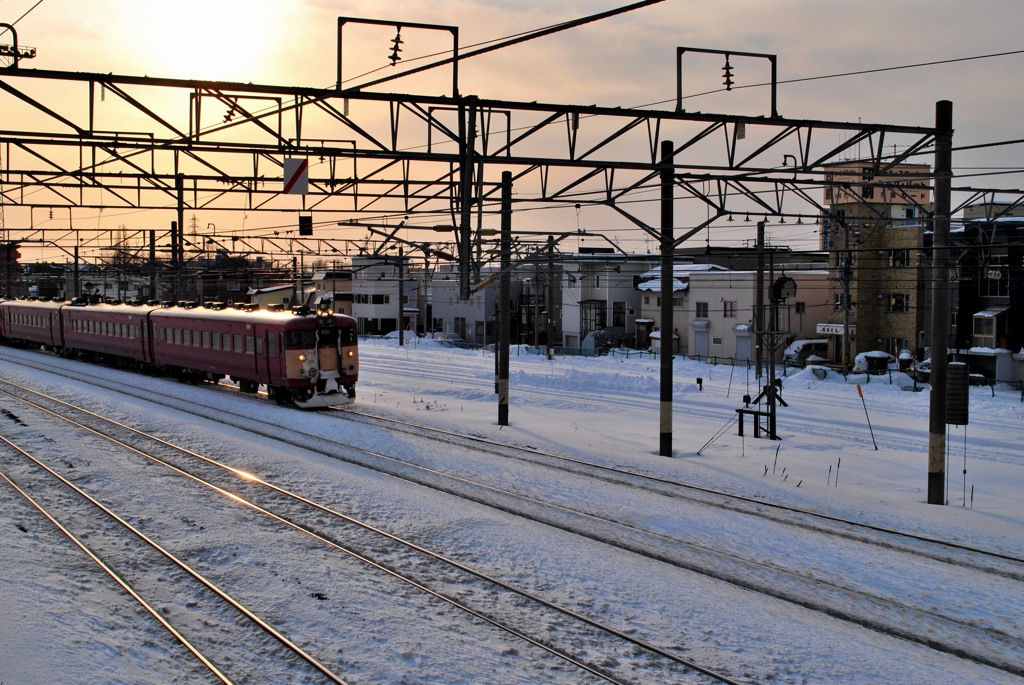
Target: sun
215, 40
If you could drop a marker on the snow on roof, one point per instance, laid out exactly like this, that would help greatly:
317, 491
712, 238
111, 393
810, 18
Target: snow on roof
271, 289
684, 270
654, 285
991, 312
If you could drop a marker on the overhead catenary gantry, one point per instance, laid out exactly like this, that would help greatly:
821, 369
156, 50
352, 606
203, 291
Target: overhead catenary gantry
112, 142
210, 146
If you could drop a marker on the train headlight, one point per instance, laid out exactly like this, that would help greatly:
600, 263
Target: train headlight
302, 356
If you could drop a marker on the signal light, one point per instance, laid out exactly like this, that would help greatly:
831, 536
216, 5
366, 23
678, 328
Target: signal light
727, 74
394, 57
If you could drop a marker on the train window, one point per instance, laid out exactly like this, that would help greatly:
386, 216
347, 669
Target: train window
272, 344
347, 335
250, 344
216, 341
227, 342
306, 338
239, 345
186, 336
259, 346
177, 336
328, 336
206, 339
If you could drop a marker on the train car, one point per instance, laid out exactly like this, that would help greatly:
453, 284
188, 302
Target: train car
304, 358
307, 359
32, 323
117, 333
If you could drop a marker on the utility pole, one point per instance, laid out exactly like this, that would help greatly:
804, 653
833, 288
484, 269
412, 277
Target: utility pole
667, 265
940, 302
846, 278
549, 297
401, 295
504, 297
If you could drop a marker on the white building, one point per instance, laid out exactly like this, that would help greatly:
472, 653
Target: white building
721, 323
600, 298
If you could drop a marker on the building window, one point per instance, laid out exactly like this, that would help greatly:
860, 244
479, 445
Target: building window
801, 307
899, 258
993, 281
729, 310
897, 302
715, 340
702, 310
984, 331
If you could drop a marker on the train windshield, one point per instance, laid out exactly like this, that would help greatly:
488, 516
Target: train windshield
328, 336
302, 338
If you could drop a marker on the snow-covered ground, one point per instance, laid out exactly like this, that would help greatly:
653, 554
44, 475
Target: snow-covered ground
858, 455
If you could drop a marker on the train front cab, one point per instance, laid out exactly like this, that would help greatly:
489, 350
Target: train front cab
321, 361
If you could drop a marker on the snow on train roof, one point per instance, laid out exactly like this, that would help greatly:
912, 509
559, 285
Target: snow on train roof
173, 311
228, 314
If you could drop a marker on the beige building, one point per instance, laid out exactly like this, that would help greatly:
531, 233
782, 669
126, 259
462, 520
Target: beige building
875, 238
713, 309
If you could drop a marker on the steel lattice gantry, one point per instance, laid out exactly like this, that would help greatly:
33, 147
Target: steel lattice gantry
109, 142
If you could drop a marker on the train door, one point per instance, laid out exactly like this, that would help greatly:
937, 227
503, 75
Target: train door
271, 355
57, 329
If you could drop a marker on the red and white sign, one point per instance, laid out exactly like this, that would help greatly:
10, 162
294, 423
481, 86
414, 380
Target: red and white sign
296, 176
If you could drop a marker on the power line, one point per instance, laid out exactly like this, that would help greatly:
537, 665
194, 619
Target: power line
850, 73
27, 12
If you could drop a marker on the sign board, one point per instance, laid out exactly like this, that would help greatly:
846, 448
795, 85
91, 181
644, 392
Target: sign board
834, 329
296, 176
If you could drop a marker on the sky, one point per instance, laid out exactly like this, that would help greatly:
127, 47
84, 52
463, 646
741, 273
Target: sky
626, 61
851, 448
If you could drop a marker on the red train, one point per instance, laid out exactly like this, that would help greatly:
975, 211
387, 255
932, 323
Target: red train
307, 359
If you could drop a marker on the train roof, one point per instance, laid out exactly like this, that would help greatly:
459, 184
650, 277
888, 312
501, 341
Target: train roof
164, 310
247, 315
35, 304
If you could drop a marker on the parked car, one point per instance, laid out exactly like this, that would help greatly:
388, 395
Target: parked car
799, 351
448, 339
875, 361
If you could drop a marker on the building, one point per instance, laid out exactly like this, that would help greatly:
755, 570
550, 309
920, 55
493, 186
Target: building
600, 300
876, 242
648, 329
989, 290
384, 294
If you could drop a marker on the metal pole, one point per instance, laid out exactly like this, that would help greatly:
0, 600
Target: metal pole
667, 250
504, 297
549, 297
940, 300
759, 305
401, 296
847, 280
467, 141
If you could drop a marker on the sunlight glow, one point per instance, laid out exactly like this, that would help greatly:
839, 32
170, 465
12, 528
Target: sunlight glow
222, 40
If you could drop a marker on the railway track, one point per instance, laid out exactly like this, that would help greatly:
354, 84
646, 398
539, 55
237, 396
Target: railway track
220, 633
993, 640
560, 631
965, 556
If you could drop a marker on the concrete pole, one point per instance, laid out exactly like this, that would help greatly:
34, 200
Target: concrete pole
667, 264
504, 297
940, 302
